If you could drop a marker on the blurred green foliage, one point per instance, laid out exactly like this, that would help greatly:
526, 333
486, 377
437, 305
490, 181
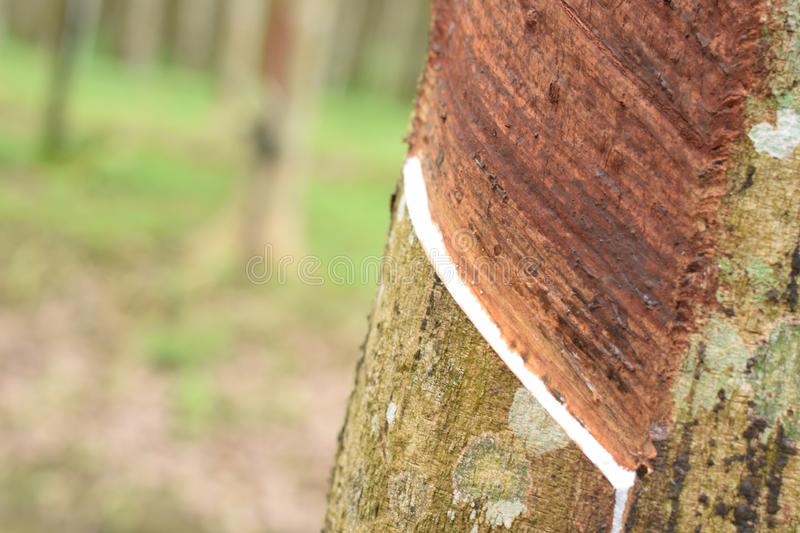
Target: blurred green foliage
144, 164
149, 169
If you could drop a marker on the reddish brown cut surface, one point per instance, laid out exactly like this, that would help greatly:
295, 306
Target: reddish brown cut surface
574, 157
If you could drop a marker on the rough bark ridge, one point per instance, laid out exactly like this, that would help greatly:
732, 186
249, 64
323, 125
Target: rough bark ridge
439, 436
573, 156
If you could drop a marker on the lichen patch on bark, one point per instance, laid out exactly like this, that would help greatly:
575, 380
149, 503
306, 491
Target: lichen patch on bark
777, 140
716, 362
409, 497
391, 413
776, 371
531, 423
492, 472
451, 393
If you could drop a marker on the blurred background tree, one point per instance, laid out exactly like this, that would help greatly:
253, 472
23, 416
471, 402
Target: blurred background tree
153, 377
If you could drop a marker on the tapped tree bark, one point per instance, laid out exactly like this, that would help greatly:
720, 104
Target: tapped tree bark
439, 435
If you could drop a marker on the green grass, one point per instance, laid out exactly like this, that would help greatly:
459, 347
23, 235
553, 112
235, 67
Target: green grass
185, 346
148, 172
146, 168
365, 127
137, 171
167, 101
131, 179
114, 203
360, 140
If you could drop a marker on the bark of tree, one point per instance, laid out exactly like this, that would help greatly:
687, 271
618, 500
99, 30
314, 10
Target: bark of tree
69, 33
298, 37
439, 436
196, 32
32, 20
3, 19
241, 46
142, 28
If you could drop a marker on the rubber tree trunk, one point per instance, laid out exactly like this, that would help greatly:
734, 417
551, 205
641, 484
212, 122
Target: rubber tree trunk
241, 45
347, 46
3, 19
69, 33
439, 435
298, 38
196, 32
142, 29
33, 20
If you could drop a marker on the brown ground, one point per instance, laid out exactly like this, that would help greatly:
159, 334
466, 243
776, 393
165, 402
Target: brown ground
93, 439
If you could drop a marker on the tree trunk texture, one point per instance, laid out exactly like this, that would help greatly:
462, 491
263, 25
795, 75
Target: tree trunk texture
33, 20
298, 37
69, 33
241, 47
439, 435
196, 32
142, 28
3, 19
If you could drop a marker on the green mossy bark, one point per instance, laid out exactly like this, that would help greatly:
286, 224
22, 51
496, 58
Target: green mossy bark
440, 436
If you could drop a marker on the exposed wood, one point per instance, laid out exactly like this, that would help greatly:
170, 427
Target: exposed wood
576, 154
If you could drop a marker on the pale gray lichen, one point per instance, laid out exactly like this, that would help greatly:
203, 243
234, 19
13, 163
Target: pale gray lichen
504, 512
717, 363
777, 376
493, 471
531, 423
391, 413
409, 497
779, 140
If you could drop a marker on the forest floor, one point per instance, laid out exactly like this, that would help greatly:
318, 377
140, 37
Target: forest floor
145, 385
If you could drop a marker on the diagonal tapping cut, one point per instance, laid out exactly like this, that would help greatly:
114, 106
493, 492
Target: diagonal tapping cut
592, 142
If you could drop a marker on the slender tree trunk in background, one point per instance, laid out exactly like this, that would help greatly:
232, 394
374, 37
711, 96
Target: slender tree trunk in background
298, 35
65, 55
92, 19
142, 28
345, 52
399, 26
196, 32
439, 435
241, 46
3, 19
30, 20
